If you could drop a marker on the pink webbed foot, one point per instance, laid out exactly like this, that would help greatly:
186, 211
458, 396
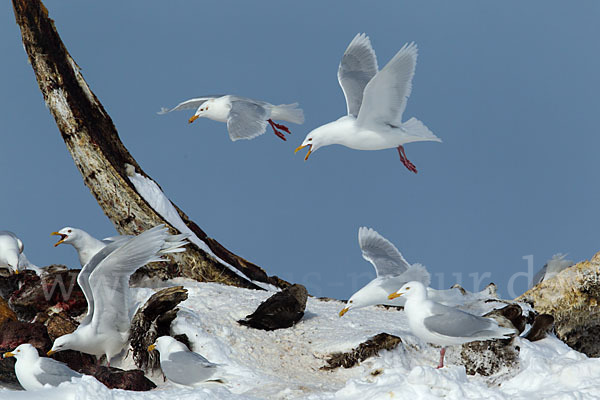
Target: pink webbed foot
277, 126
442, 354
410, 166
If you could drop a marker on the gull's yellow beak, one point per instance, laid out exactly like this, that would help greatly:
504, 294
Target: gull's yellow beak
16, 272
50, 352
394, 295
62, 238
195, 117
151, 347
8, 354
344, 311
307, 154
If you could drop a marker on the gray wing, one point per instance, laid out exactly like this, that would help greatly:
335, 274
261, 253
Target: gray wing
187, 368
357, 68
190, 104
384, 256
247, 119
453, 322
539, 276
385, 96
109, 279
54, 373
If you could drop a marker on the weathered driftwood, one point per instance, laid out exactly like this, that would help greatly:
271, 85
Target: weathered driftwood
100, 156
572, 297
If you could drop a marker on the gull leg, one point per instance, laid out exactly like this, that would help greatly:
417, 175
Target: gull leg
442, 354
276, 126
410, 166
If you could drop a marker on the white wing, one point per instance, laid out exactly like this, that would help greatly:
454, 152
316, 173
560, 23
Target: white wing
384, 256
53, 372
190, 104
109, 280
385, 96
357, 68
247, 120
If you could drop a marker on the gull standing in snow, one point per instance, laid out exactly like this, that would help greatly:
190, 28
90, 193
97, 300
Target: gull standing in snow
392, 271
445, 326
182, 366
375, 101
104, 280
246, 118
35, 372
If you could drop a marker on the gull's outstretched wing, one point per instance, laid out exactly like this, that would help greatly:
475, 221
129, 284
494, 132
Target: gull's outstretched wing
190, 104
247, 119
187, 368
53, 372
357, 68
449, 321
385, 96
384, 256
109, 279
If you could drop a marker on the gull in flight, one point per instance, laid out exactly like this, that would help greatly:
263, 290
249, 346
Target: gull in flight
246, 118
375, 102
104, 280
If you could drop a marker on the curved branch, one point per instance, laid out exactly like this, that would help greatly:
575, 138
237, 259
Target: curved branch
100, 156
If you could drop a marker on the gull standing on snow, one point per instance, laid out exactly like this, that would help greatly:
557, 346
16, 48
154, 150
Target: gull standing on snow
104, 280
35, 372
246, 118
445, 326
392, 271
375, 101
182, 366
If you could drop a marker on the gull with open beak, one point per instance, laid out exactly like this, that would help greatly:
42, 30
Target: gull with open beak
375, 103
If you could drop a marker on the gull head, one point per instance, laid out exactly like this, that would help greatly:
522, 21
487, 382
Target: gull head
62, 343
410, 289
315, 139
203, 111
164, 343
331, 133
67, 235
24, 350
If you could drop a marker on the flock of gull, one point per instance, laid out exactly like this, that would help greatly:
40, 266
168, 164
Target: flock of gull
375, 101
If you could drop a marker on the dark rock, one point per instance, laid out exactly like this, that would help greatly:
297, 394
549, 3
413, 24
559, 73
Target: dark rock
14, 333
9, 284
77, 361
60, 324
282, 310
152, 320
8, 378
542, 325
510, 316
58, 289
115, 378
370, 348
6, 314
489, 357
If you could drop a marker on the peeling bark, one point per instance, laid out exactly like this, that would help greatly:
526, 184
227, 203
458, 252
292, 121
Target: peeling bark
100, 156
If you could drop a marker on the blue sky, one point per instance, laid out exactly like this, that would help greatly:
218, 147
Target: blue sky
511, 87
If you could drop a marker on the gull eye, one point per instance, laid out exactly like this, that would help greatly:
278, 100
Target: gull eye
69, 231
408, 288
309, 139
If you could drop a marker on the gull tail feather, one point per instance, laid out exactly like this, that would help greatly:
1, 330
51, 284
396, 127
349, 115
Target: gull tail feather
417, 129
288, 112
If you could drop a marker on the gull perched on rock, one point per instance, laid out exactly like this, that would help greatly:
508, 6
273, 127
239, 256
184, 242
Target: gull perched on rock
104, 280
35, 372
246, 118
11, 251
375, 101
182, 366
438, 324
392, 271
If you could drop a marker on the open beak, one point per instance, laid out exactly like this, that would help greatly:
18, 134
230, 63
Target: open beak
8, 354
151, 347
195, 117
309, 150
50, 352
62, 238
344, 311
394, 295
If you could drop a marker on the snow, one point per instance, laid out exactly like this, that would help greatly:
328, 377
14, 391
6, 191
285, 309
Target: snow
284, 364
160, 203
